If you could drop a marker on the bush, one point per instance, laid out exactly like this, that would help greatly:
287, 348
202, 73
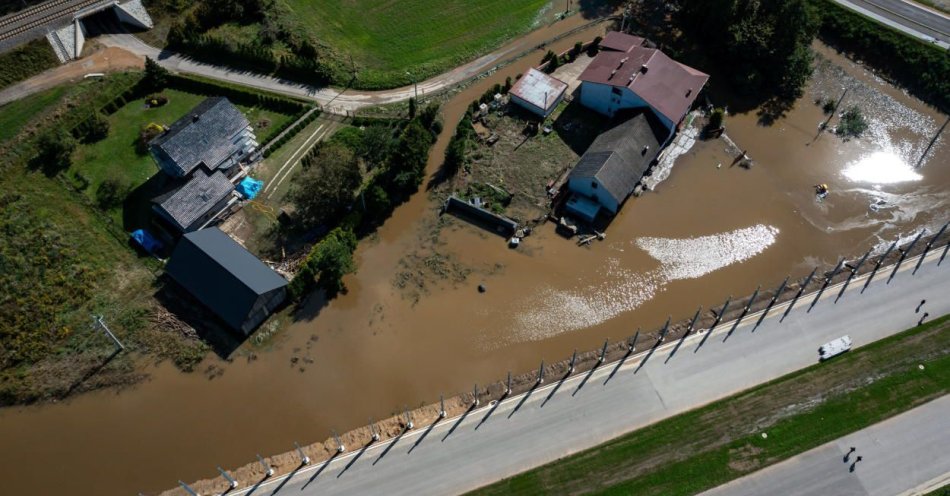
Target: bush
852, 123
828, 107
55, 149
148, 132
91, 130
330, 260
112, 192
716, 118
156, 100
156, 76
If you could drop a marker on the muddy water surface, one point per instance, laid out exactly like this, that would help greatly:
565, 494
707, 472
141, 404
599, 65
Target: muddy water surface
706, 232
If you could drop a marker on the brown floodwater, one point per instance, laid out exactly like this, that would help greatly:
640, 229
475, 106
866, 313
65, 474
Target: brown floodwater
704, 233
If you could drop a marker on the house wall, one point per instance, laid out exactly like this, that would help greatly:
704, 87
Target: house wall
534, 109
262, 309
602, 99
585, 186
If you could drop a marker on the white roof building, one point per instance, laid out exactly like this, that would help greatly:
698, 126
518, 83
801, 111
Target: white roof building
538, 92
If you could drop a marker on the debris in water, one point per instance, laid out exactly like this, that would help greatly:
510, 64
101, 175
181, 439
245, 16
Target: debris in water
482, 288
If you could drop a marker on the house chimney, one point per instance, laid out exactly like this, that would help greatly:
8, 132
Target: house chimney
644, 68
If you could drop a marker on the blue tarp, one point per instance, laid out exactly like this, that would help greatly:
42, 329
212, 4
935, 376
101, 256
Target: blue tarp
249, 187
147, 241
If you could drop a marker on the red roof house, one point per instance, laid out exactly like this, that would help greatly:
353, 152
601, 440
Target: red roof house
640, 77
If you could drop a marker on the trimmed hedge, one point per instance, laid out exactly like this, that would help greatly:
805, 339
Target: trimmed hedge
922, 68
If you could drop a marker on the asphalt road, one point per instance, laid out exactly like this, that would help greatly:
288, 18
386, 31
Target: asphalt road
906, 16
560, 418
902, 455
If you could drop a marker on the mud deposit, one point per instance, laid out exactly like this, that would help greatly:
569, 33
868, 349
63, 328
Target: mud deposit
706, 232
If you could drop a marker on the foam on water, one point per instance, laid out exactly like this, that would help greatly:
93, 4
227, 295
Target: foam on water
552, 311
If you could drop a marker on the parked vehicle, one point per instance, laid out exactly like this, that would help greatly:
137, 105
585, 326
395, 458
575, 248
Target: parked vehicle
834, 348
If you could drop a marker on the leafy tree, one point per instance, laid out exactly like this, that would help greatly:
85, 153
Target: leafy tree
112, 192
156, 76
428, 118
326, 184
716, 118
409, 158
376, 145
764, 44
334, 259
94, 129
55, 150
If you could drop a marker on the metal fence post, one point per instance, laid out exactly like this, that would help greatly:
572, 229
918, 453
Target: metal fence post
927, 248
944, 255
409, 424
746, 309
632, 345
570, 369
508, 386
692, 323
304, 459
441, 406
374, 433
268, 470
771, 302
904, 255
720, 314
231, 481
854, 271
878, 265
666, 326
541, 373
603, 352
340, 448
825, 285
187, 488
798, 295
475, 401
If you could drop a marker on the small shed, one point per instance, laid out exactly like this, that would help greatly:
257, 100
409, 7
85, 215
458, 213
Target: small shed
538, 92
226, 278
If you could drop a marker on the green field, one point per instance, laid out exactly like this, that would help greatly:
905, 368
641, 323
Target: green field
116, 156
709, 446
388, 37
16, 114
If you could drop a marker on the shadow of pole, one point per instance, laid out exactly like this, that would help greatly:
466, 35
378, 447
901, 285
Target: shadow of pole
287, 479
95, 370
357, 457
586, 378
458, 422
554, 390
391, 444
523, 399
321, 469
743, 314
490, 411
424, 434
647, 356
619, 364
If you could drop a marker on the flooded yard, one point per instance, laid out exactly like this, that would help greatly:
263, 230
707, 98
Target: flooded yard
707, 231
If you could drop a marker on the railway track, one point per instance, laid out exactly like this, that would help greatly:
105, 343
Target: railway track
40, 15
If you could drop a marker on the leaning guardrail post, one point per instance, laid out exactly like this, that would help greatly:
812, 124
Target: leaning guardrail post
101, 323
944, 255
825, 285
340, 448
692, 323
632, 345
771, 302
798, 295
744, 311
854, 271
927, 248
304, 459
666, 326
409, 423
904, 255
603, 352
570, 368
268, 470
188, 488
373, 432
878, 265
231, 481
508, 385
721, 312
441, 406
541, 373
475, 401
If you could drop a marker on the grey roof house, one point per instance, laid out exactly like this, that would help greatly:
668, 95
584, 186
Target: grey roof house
214, 134
190, 206
226, 278
614, 163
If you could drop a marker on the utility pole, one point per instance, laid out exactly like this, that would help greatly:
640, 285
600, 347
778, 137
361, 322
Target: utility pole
414, 85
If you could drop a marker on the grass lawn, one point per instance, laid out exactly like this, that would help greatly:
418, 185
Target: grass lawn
386, 37
116, 156
16, 114
709, 446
